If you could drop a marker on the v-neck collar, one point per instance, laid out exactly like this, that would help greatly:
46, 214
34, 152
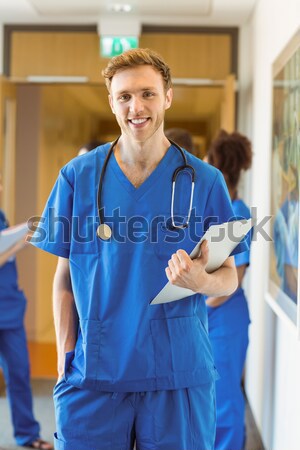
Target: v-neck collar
138, 192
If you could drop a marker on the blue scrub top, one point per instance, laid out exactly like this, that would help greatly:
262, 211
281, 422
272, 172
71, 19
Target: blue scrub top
124, 344
233, 315
12, 300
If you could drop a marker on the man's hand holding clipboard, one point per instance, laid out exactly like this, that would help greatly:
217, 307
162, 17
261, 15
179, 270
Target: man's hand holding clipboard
221, 240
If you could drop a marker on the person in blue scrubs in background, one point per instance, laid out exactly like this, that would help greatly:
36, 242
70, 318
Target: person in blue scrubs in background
131, 373
14, 359
228, 316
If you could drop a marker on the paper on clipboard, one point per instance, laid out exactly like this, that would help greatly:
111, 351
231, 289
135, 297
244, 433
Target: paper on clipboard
10, 236
221, 239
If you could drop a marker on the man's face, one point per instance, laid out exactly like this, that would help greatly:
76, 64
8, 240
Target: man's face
138, 99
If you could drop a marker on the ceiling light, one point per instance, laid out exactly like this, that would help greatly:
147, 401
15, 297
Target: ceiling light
119, 8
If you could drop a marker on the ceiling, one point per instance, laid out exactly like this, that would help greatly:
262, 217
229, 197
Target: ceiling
197, 12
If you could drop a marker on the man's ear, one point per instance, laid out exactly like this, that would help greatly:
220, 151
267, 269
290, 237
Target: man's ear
111, 104
169, 98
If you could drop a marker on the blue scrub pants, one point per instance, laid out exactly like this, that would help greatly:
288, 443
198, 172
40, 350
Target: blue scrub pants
15, 363
230, 354
181, 419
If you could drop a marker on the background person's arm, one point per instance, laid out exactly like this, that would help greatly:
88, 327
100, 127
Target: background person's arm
191, 274
64, 312
5, 256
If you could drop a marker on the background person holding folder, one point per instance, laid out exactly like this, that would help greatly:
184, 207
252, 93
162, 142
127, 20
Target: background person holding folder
228, 316
14, 359
130, 372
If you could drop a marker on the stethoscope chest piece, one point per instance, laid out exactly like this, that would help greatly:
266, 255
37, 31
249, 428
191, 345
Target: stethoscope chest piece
104, 232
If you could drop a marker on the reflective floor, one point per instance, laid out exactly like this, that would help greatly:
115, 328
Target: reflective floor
44, 413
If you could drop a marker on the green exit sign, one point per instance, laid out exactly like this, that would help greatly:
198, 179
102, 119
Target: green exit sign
115, 45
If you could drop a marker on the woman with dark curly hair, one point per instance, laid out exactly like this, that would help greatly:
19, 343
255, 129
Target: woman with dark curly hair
229, 316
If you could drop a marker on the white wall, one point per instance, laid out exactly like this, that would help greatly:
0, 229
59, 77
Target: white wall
273, 365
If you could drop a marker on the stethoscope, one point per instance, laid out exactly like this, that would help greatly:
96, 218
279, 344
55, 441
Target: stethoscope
104, 231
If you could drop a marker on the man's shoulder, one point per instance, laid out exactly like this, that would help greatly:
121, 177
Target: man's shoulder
84, 164
89, 157
202, 168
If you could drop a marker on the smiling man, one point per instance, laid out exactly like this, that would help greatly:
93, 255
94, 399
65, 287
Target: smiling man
131, 373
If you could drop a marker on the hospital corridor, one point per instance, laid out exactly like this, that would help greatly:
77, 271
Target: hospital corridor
149, 225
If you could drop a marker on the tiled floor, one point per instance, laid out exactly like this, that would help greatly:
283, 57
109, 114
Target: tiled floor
44, 412
254, 441
43, 407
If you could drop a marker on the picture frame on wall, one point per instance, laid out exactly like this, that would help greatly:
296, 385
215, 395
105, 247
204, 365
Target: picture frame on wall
284, 281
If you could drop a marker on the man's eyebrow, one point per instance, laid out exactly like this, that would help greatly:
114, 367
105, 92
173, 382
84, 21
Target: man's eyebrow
122, 92
127, 91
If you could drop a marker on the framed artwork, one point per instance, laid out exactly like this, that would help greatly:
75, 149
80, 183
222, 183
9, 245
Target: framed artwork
284, 282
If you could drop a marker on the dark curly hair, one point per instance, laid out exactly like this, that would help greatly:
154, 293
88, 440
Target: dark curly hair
231, 153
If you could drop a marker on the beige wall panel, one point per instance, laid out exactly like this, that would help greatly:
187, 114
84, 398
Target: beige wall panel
193, 55
56, 54
77, 54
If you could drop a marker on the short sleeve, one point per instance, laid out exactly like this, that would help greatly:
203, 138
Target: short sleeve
3, 221
243, 258
242, 211
219, 209
53, 232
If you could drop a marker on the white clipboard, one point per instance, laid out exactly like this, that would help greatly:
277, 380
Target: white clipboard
10, 236
222, 240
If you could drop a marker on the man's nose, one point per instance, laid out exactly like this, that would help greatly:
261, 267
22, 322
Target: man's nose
136, 105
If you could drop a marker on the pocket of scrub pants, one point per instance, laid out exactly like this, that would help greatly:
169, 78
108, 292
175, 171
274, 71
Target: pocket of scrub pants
58, 443
68, 360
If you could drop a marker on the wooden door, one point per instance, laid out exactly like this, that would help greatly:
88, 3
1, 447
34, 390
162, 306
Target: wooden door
228, 104
8, 145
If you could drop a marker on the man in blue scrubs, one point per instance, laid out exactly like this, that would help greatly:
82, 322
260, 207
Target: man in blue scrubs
14, 359
131, 373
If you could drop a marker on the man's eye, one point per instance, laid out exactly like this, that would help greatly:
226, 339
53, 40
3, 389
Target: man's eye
124, 97
148, 94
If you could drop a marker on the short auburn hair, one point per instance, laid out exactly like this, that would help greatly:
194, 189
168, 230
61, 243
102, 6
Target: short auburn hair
137, 57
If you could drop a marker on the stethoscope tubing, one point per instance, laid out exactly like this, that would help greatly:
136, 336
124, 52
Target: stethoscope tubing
99, 193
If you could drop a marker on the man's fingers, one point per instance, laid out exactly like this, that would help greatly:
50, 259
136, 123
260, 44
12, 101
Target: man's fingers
175, 259
171, 265
204, 252
179, 263
168, 273
182, 255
